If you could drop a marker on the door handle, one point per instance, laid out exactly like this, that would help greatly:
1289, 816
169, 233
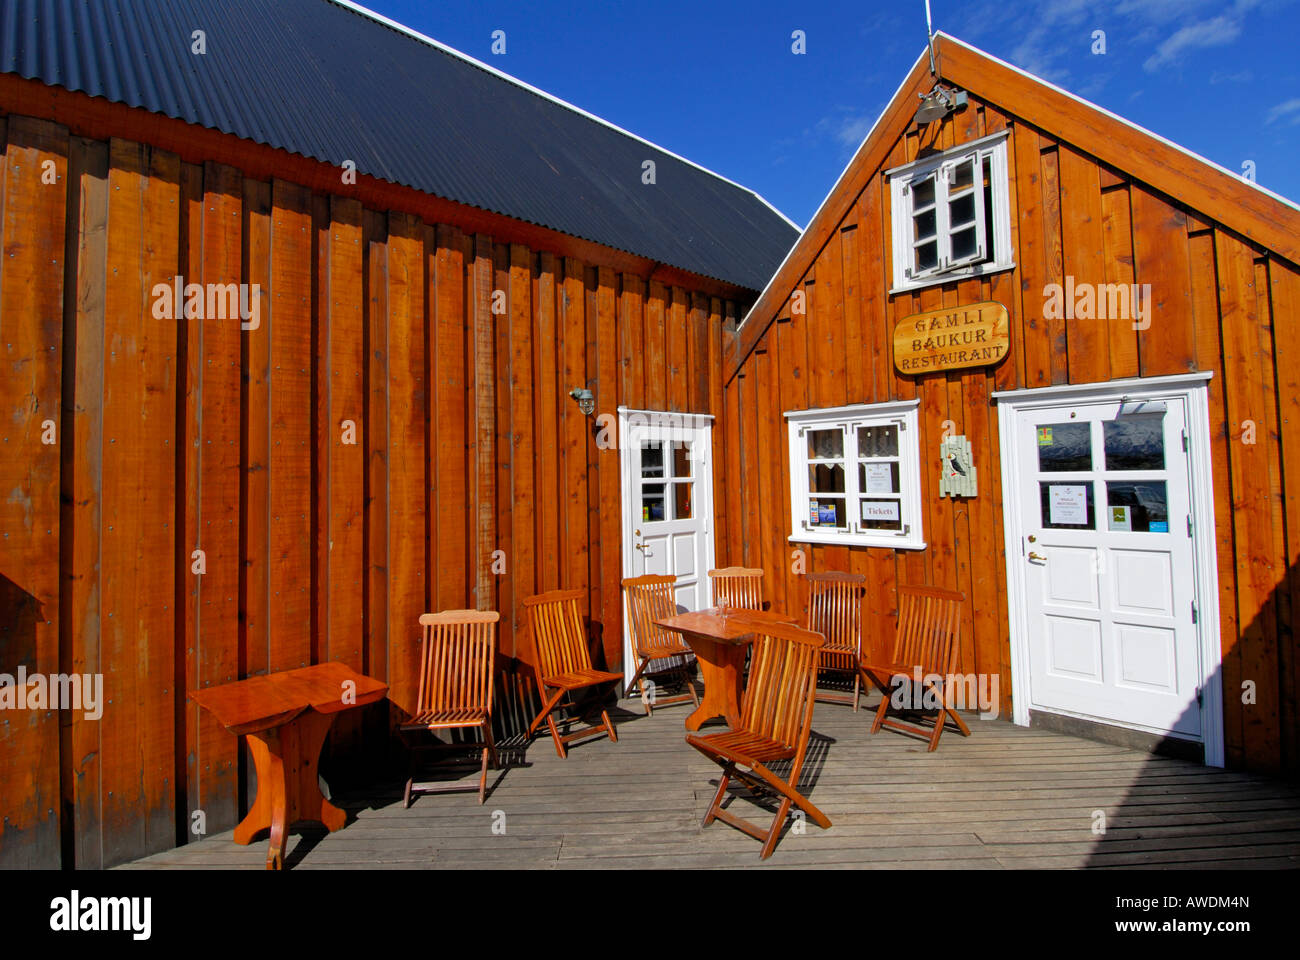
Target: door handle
1034, 556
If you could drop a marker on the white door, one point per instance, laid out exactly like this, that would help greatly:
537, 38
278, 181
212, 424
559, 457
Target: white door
666, 462
1109, 570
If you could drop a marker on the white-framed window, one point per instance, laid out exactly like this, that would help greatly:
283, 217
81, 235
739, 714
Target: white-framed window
952, 214
855, 475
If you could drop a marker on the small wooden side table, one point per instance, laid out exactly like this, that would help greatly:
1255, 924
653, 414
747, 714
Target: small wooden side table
286, 717
719, 640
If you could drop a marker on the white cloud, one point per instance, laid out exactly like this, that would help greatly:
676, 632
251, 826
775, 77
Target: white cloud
1289, 109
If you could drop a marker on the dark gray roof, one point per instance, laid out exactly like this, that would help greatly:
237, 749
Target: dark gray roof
320, 79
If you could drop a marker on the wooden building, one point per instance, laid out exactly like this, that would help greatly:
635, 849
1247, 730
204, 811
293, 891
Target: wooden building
193, 501
1104, 319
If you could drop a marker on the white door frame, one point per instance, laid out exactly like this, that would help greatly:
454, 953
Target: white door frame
1193, 390
703, 422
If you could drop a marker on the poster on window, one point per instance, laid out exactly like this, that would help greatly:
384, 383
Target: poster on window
878, 510
1068, 504
880, 478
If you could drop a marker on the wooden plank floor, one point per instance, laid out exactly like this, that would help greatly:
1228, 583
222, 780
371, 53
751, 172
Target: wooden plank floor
1006, 797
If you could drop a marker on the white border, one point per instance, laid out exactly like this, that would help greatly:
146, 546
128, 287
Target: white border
1193, 390
415, 34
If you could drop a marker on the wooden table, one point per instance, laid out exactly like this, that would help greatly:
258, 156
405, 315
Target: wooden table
719, 643
286, 717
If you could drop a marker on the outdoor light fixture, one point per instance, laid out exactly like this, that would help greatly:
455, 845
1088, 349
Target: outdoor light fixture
586, 402
938, 103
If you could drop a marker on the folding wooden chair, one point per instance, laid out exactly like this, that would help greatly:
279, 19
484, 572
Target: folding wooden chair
776, 717
737, 587
562, 663
650, 598
929, 631
835, 611
455, 693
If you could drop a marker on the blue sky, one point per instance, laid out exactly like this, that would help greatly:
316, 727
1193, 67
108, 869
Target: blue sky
719, 84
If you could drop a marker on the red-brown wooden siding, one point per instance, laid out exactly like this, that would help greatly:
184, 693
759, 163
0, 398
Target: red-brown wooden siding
1220, 303
197, 436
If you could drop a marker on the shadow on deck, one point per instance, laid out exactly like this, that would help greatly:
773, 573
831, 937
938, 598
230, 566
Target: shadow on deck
1005, 797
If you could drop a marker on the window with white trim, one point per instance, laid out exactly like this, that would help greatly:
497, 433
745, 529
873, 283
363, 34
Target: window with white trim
952, 215
855, 475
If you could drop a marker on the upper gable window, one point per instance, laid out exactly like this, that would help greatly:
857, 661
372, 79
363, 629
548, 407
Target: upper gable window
951, 214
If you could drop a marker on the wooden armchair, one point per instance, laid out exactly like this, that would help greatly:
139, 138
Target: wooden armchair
650, 598
776, 718
456, 657
929, 629
562, 663
835, 611
737, 587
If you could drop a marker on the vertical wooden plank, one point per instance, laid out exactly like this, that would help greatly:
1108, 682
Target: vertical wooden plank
1160, 259
573, 429
347, 405
1054, 258
449, 387
1087, 337
595, 583
855, 390
676, 343
522, 563
1284, 294
33, 206
656, 358
82, 456
631, 330
734, 491
606, 496
829, 352
482, 435
211, 437
503, 564
1117, 244
1244, 370
549, 506
287, 312
1032, 262
408, 459
699, 353
255, 436
721, 439
376, 386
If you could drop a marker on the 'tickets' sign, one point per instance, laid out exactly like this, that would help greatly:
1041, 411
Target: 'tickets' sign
952, 338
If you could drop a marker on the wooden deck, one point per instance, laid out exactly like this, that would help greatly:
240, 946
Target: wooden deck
1006, 797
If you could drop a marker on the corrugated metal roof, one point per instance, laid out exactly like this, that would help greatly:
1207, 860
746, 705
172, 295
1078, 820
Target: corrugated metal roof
327, 81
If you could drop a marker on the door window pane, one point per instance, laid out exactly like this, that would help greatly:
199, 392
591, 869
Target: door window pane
1138, 507
652, 502
1066, 505
682, 501
1135, 443
652, 459
681, 460
1064, 446
824, 512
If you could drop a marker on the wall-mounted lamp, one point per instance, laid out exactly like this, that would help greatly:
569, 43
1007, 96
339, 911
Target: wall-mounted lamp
586, 402
938, 103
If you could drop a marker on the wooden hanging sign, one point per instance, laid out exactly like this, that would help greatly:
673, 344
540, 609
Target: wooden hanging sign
977, 335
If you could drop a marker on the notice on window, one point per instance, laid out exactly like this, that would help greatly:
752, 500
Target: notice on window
880, 478
880, 510
1068, 504
1120, 519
